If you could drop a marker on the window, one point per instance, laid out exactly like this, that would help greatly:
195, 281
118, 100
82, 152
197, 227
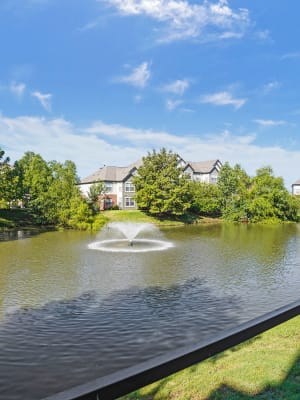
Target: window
109, 187
129, 202
129, 187
213, 179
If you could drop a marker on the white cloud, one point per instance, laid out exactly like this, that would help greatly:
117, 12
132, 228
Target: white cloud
133, 135
263, 35
44, 99
138, 99
182, 19
223, 99
177, 87
270, 86
138, 77
291, 55
113, 144
17, 89
172, 104
58, 139
270, 122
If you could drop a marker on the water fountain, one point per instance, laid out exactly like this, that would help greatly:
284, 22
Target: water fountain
126, 237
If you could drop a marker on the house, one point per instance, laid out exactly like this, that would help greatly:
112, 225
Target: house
120, 190
204, 171
296, 188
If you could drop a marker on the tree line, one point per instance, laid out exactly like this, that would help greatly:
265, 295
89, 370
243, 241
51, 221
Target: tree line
50, 192
164, 189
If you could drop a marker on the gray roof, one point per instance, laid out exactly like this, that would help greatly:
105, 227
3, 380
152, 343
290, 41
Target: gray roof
119, 174
203, 167
296, 183
111, 173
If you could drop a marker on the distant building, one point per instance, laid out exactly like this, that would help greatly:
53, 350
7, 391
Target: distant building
296, 188
204, 171
120, 190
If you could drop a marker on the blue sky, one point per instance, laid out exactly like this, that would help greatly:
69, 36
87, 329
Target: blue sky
106, 81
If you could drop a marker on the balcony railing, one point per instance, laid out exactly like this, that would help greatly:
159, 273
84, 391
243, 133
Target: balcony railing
127, 380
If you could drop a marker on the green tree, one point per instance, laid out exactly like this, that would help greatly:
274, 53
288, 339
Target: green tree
62, 189
234, 183
96, 190
162, 188
8, 181
47, 188
35, 178
269, 199
206, 199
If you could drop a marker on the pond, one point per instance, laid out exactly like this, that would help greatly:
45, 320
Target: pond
71, 312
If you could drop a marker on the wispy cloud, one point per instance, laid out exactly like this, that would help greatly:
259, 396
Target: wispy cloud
44, 99
41, 135
270, 122
177, 87
138, 99
131, 134
270, 86
295, 54
223, 99
264, 35
183, 19
138, 77
172, 104
17, 89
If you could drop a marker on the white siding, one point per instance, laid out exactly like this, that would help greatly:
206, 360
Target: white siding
296, 190
201, 178
85, 188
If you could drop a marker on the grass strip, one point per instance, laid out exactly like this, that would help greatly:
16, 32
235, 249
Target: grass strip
265, 367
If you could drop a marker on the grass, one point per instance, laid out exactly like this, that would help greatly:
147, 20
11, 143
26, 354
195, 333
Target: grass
140, 216
266, 367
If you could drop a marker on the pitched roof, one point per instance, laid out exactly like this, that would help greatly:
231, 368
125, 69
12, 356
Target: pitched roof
111, 173
296, 183
203, 167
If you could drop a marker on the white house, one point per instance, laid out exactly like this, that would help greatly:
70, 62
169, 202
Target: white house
120, 190
296, 188
204, 171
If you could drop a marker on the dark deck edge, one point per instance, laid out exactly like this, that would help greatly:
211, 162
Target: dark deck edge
122, 382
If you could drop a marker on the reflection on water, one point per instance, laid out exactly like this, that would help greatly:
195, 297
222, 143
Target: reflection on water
17, 234
67, 310
85, 338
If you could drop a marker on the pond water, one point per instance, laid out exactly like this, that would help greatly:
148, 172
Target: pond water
70, 313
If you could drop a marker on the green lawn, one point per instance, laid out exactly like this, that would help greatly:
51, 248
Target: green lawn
140, 216
265, 367
137, 216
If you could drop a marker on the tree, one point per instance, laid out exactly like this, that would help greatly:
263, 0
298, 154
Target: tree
62, 189
233, 183
269, 199
162, 188
47, 188
35, 178
206, 199
96, 190
8, 181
